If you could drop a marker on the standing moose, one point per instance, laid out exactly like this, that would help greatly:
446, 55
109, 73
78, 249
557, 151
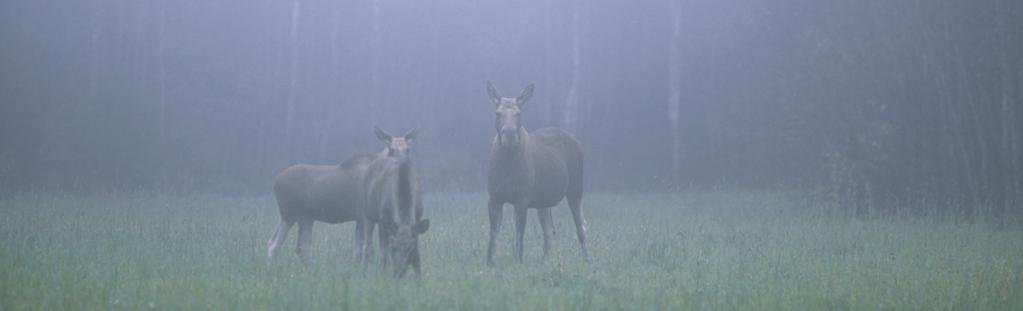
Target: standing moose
531, 170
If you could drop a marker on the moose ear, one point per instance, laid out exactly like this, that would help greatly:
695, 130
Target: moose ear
527, 93
411, 134
421, 226
381, 135
492, 91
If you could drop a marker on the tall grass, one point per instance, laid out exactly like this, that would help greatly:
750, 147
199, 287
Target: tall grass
712, 250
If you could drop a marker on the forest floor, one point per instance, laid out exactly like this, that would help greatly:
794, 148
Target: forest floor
699, 250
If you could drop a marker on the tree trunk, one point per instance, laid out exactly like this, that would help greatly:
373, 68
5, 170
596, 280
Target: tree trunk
328, 125
161, 123
1009, 159
548, 63
572, 101
374, 74
293, 74
674, 85
957, 130
983, 182
1016, 155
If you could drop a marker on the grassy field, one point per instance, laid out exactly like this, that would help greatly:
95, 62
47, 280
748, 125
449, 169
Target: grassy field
718, 251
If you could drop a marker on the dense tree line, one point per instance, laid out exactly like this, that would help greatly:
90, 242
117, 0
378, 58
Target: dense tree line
868, 104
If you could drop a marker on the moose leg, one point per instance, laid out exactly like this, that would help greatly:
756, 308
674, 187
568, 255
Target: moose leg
415, 262
520, 228
495, 209
547, 224
580, 224
277, 239
360, 240
385, 245
305, 237
368, 255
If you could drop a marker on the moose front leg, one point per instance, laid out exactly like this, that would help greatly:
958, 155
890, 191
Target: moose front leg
415, 262
520, 229
494, 207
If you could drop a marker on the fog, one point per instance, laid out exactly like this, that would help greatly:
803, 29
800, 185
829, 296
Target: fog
881, 104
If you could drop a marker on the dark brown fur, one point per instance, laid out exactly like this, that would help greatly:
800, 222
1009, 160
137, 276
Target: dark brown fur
532, 170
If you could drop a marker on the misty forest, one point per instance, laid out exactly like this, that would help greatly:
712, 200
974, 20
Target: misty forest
730, 154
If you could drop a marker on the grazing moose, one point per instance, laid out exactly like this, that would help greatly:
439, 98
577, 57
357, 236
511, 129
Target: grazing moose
531, 170
357, 189
394, 202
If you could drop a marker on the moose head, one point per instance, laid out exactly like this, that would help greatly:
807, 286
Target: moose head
397, 146
404, 245
508, 114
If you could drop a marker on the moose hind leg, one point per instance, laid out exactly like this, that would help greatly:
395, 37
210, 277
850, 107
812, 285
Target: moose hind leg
575, 204
495, 209
277, 239
305, 237
360, 240
368, 254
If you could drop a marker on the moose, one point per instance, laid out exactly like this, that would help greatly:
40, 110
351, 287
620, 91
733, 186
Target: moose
369, 189
531, 170
394, 201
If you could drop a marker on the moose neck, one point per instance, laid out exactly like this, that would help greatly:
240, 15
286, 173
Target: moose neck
405, 189
510, 174
514, 157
